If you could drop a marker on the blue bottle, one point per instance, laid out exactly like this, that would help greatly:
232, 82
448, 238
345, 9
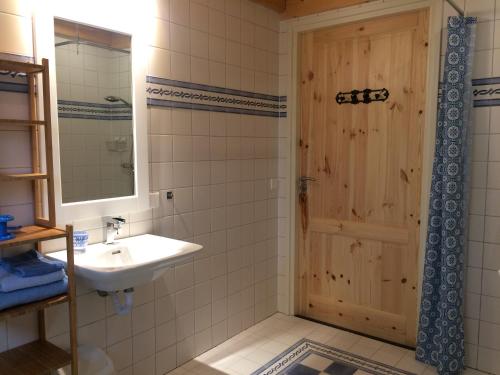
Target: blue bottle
4, 234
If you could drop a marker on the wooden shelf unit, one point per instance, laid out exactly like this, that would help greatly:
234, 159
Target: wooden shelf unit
23, 176
22, 67
39, 357
36, 358
33, 233
33, 306
11, 122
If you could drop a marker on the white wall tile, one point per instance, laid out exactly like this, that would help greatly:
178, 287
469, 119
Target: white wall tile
476, 228
203, 341
484, 10
483, 64
180, 66
199, 45
161, 34
121, 354
473, 280
217, 48
118, 328
491, 283
488, 360
490, 309
491, 256
485, 33
493, 202
166, 360
182, 148
143, 318
179, 12
166, 335
143, 345
159, 62
179, 38
475, 254
199, 17
185, 326
164, 309
217, 23
489, 335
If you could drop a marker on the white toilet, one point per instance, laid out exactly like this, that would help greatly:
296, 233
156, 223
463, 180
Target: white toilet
91, 361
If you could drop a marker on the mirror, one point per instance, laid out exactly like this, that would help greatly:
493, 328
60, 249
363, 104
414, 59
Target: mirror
94, 96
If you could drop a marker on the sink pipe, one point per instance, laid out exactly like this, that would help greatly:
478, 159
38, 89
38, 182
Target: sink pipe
120, 308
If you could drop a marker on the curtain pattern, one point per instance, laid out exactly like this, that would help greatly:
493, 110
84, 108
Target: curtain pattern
440, 340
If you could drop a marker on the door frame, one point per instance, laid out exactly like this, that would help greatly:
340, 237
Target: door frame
338, 17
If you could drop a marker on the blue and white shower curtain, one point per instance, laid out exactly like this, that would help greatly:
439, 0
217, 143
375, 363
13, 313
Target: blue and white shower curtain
440, 340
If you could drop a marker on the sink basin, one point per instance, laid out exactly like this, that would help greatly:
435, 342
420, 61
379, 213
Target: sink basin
128, 262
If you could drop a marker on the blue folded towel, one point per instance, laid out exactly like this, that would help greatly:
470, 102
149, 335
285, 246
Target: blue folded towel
29, 264
10, 282
37, 293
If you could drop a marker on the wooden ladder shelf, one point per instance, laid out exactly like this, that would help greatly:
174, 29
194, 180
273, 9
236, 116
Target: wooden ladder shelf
39, 357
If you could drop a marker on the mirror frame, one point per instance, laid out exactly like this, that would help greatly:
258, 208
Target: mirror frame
128, 18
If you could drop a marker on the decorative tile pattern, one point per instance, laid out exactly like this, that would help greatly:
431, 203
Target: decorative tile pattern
308, 357
486, 92
179, 94
169, 93
93, 111
13, 82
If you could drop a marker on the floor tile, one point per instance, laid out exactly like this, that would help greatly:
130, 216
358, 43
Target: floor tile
340, 369
302, 370
316, 362
264, 342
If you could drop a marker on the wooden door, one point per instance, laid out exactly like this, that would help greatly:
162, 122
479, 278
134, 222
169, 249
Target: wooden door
358, 224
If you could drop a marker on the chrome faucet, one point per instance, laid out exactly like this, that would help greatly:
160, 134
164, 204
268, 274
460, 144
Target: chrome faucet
113, 226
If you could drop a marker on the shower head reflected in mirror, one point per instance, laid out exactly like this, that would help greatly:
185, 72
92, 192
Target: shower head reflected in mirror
114, 99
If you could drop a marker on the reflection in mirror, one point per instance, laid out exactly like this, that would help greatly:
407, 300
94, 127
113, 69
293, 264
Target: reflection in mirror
93, 70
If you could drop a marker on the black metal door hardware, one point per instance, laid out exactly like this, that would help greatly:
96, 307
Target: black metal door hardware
367, 96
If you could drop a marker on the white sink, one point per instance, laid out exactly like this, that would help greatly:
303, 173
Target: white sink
128, 262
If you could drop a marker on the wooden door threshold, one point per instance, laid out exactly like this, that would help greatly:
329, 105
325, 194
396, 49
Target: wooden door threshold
356, 332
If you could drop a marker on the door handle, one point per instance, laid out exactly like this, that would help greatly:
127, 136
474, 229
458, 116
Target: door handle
303, 180
306, 178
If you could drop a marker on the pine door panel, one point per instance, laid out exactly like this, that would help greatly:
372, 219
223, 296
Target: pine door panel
358, 225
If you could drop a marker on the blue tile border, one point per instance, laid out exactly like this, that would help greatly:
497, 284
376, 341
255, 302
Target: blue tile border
93, 111
485, 81
486, 103
14, 87
92, 117
486, 92
194, 96
304, 347
90, 104
169, 93
214, 89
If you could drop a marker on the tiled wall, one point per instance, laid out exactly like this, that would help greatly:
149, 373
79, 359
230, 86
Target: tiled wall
483, 282
15, 38
222, 169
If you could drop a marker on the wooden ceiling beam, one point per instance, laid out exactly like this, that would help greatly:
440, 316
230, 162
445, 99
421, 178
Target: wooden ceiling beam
299, 8
276, 5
